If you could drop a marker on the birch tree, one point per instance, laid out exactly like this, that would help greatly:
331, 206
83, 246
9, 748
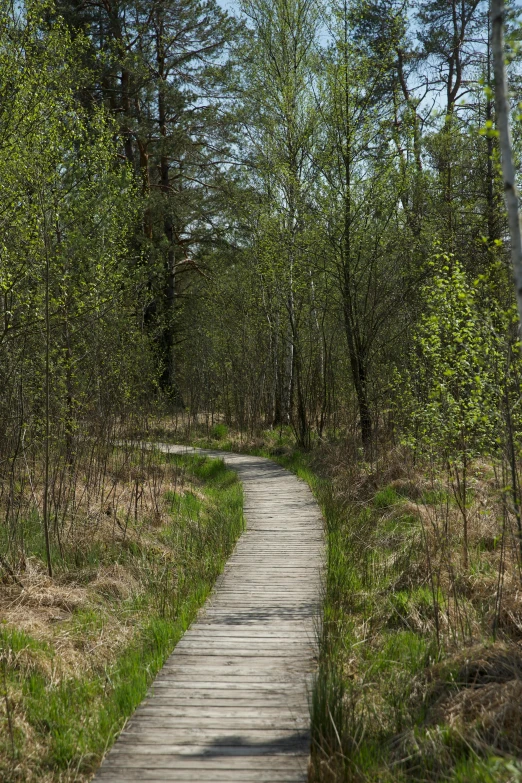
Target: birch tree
498, 12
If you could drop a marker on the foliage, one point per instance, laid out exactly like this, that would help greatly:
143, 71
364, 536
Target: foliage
454, 379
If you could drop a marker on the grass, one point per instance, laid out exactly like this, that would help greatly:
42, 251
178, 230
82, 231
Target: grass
420, 670
206, 434
80, 652
402, 620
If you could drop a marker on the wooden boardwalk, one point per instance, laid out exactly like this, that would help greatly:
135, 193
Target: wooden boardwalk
231, 703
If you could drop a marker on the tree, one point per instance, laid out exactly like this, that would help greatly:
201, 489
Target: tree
453, 380
163, 71
510, 186
361, 187
278, 84
70, 349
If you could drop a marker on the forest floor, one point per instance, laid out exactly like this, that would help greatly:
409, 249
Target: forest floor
132, 566
420, 673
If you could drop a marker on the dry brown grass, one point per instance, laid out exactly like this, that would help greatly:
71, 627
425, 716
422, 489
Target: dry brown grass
478, 693
47, 611
127, 508
424, 642
111, 549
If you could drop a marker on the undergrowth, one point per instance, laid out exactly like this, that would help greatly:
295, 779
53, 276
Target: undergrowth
78, 652
420, 673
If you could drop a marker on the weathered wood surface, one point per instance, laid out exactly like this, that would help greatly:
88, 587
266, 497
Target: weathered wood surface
231, 703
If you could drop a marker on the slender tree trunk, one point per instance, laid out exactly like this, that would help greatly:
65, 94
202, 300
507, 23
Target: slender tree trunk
303, 429
353, 337
288, 379
47, 403
168, 228
447, 176
125, 105
145, 186
493, 222
291, 349
277, 416
508, 169
69, 385
412, 111
169, 379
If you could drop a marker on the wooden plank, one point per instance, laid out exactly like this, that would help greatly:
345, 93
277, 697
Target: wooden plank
215, 732
231, 702
199, 775
232, 684
231, 712
211, 749
196, 776
295, 705
193, 760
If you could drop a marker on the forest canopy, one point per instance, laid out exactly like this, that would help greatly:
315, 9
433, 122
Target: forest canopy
253, 215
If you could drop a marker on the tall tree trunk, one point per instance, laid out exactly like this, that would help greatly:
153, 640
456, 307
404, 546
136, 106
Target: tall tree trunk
47, 440
508, 168
491, 201
288, 377
168, 378
277, 413
356, 351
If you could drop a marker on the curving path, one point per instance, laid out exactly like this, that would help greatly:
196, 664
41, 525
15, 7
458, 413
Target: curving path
231, 702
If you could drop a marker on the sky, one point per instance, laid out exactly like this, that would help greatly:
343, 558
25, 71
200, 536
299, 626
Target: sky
229, 5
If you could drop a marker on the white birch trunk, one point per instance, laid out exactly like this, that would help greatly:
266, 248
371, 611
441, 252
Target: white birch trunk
508, 169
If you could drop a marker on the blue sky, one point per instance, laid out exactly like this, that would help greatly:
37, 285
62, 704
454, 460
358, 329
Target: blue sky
230, 5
